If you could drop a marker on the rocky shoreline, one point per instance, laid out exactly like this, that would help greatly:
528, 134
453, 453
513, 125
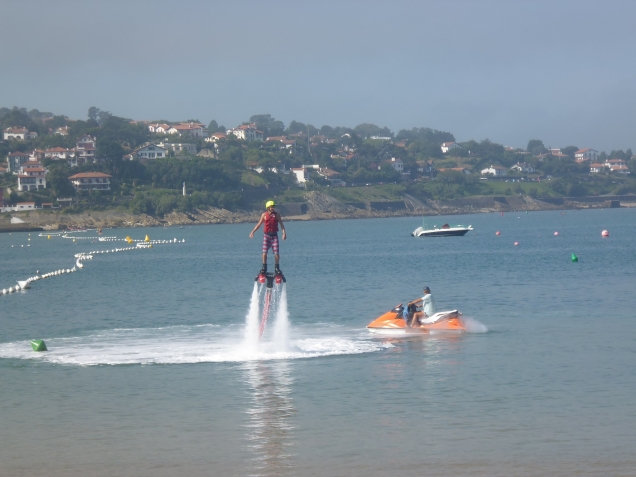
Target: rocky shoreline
317, 206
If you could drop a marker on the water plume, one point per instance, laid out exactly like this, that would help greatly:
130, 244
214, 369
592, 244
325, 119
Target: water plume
474, 326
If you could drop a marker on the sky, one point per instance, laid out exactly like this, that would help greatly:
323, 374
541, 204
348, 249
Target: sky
563, 71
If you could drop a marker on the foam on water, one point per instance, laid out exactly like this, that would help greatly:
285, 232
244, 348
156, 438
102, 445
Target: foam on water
186, 344
474, 326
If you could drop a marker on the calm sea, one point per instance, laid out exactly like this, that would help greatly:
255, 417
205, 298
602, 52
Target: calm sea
148, 373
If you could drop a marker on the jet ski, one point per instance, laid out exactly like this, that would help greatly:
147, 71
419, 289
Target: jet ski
394, 322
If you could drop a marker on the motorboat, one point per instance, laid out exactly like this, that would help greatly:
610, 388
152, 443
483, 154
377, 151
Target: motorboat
394, 322
443, 231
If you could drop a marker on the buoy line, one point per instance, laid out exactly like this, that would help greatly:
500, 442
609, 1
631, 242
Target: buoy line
83, 256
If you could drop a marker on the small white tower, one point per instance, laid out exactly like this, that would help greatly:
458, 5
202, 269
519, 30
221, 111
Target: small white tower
184, 191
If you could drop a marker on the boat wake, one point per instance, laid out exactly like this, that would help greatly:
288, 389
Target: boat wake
191, 344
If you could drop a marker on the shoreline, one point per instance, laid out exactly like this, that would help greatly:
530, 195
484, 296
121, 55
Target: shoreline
317, 206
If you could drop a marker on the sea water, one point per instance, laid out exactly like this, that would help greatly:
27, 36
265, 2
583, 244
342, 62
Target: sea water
151, 372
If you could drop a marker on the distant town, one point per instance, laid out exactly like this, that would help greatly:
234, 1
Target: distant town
159, 166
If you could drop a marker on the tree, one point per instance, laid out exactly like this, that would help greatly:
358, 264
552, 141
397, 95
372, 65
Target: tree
366, 130
57, 179
97, 115
296, 127
425, 134
569, 151
214, 127
534, 143
110, 153
267, 124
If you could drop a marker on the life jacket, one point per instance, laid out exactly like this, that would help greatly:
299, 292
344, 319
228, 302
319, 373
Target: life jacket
271, 223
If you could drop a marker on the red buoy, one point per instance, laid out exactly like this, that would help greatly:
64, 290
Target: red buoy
497, 232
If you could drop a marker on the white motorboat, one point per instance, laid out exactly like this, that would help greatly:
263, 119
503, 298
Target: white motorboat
443, 231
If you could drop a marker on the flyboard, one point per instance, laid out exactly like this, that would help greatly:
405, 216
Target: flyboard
273, 287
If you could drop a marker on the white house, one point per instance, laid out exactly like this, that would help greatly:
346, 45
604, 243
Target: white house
586, 155
179, 147
151, 151
302, 174
158, 128
447, 146
595, 168
215, 137
24, 206
15, 161
496, 171
523, 167
58, 153
247, 132
85, 150
91, 181
395, 163
63, 131
189, 129
620, 169
15, 133
32, 176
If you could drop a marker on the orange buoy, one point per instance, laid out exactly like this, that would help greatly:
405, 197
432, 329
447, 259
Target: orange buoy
604, 233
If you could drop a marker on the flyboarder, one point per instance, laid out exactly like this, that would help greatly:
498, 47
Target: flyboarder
270, 237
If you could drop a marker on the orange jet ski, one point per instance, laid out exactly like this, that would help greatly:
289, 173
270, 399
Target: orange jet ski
394, 322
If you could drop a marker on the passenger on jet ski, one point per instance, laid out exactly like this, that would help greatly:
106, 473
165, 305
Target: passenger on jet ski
272, 219
428, 308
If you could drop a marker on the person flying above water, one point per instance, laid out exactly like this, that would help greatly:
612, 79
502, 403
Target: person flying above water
428, 307
272, 220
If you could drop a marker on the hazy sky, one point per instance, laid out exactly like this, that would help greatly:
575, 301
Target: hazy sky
560, 71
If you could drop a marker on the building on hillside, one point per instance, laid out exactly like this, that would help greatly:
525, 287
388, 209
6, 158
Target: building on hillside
56, 153
596, 168
523, 167
381, 138
425, 167
247, 132
189, 129
586, 155
496, 171
332, 176
395, 163
463, 170
159, 128
32, 176
215, 137
284, 143
177, 148
15, 161
63, 131
91, 181
448, 146
302, 174
615, 162
18, 133
150, 151
85, 150
619, 169
24, 206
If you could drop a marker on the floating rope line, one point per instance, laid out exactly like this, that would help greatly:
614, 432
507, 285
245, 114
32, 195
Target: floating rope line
143, 244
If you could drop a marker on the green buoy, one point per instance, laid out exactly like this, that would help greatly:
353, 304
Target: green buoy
38, 345
575, 258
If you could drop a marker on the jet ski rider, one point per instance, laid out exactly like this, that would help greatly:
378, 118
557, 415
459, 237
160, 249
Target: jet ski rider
428, 307
270, 237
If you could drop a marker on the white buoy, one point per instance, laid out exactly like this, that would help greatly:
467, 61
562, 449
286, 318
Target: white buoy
605, 233
556, 233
